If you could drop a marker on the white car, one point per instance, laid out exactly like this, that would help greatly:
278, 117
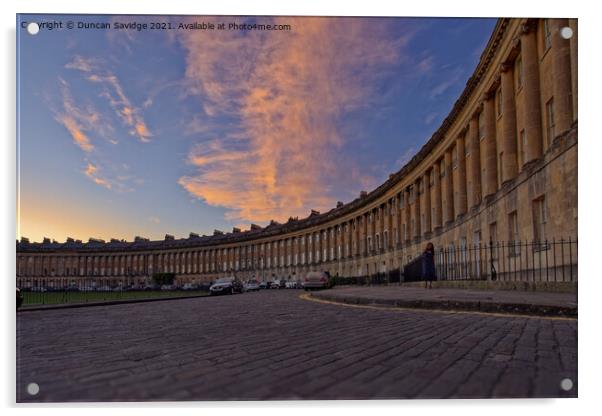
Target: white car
251, 285
275, 284
291, 284
189, 286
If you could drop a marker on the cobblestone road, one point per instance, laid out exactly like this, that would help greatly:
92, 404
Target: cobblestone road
273, 345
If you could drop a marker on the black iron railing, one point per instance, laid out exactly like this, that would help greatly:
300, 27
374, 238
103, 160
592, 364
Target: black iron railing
64, 290
535, 261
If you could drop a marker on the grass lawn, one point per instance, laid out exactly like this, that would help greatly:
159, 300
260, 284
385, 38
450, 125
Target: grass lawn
55, 298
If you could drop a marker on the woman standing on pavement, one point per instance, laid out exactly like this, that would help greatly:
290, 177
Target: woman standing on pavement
428, 265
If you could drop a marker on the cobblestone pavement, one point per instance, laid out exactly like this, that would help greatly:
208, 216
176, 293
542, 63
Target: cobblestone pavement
274, 345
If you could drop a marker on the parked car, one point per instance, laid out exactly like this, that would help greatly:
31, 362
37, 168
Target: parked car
251, 285
19, 299
263, 285
189, 286
316, 280
226, 286
275, 284
291, 284
167, 287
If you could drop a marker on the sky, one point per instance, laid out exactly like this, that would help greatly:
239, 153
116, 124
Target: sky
126, 132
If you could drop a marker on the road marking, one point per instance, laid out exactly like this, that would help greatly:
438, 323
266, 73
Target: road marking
306, 296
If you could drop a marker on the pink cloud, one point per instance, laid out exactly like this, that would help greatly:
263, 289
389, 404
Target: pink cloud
288, 91
130, 115
91, 172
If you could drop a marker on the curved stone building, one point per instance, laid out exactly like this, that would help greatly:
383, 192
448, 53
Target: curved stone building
501, 167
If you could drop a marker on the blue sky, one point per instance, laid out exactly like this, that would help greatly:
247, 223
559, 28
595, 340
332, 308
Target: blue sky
125, 133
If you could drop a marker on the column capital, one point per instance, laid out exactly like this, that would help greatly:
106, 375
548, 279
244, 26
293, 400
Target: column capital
487, 95
528, 26
496, 83
475, 114
514, 46
505, 66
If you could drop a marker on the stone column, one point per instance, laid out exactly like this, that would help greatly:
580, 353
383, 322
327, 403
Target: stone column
574, 73
350, 238
417, 211
365, 235
437, 218
342, 238
475, 161
531, 91
390, 204
426, 204
490, 152
384, 223
508, 142
448, 214
407, 215
561, 64
399, 218
461, 151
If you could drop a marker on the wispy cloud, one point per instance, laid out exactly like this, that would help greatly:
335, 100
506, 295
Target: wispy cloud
81, 64
77, 120
405, 158
91, 172
91, 125
129, 114
425, 64
430, 117
286, 93
449, 81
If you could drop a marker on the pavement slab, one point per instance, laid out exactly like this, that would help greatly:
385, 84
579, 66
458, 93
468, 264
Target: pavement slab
501, 301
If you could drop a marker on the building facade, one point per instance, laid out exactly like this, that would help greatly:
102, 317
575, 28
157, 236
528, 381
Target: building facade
501, 167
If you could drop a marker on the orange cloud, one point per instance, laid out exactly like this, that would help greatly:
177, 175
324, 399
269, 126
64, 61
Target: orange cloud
81, 64
79, 138
77, 120
288, 90
114, 93
91, 172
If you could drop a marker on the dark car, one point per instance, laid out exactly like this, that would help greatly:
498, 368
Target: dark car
226, 286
